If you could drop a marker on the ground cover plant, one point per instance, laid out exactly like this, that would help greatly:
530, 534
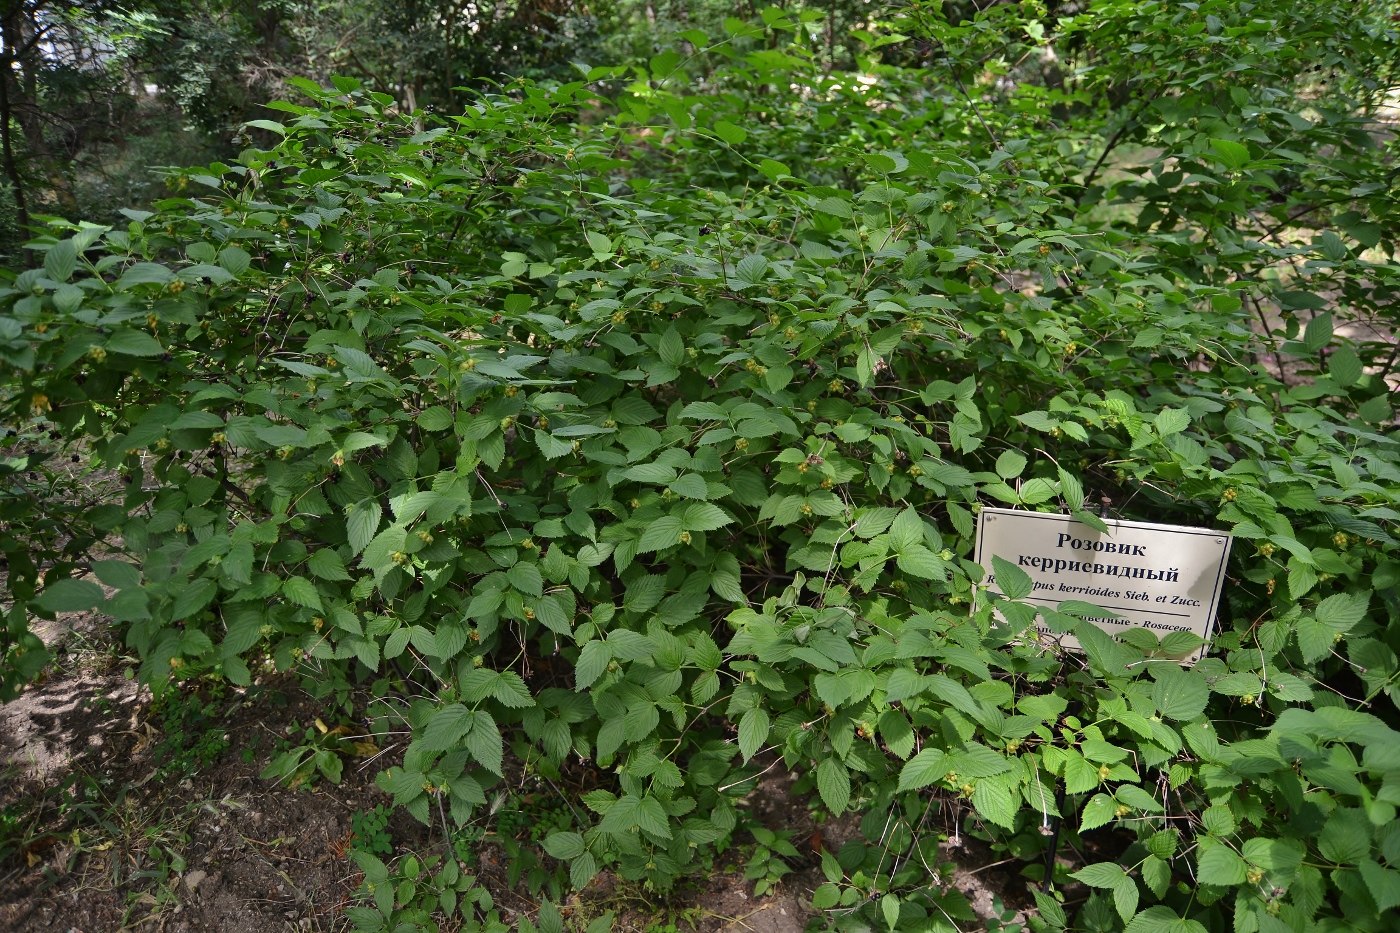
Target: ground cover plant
630, 434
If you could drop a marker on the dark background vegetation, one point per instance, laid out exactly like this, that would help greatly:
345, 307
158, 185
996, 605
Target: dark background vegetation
98, 94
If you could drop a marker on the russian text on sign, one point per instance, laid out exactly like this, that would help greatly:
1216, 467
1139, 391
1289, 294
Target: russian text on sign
1164, 578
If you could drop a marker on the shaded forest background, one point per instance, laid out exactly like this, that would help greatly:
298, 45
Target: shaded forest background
102, 94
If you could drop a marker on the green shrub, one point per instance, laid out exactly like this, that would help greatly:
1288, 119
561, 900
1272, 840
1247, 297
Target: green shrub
643, 439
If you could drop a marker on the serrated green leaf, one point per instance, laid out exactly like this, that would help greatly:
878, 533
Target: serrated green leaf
436, 418
71, 596
67, 298
117, 573
918, 561
650, 816
564, 845
734, 135
1172, 421
1125, 898
1314, 639
644, 593
446, 728
549, 917
834, 206
1376, 409
1010, 464
620, 816
994, 802
484, 742
1281, 855
326, 564
361, 440
691, 486
896, 733
1013, 582
887, 161
1050, 910
193, 597
1156, 875
60, 260
272, 126
551, 614
525, 577
235, 259
281, 435
1085, 517
1301, 579
1071, 489
1038, 421
1080, 775
510, 690
552, 447
1345, 366
302, 592
1383, 883
834, 785
774, 170
134, 343
703, 516
1218, 864
671, 348
599, 243
903, 683
1180, 695
1100, 809
449, 640
664, 532
1138, 798
925, 768
1100, 874
956, 695
1231, 154
591, 555
753, 731
144, 273
593, 660
906, 530
890, 910
1318, 332
1179, 644
477, 683
651, 473
357, 362
1036, 490
1340, 612
362, 523
1238, 684
582, 870
1159, 919
1346, 837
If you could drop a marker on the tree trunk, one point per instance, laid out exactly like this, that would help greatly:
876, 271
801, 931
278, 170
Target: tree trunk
22, 33
9, 33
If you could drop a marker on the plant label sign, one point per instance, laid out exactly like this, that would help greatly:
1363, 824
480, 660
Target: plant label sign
1163, 578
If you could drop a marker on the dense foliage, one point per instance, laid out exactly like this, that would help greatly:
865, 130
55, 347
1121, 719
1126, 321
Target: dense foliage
631, 432
97, 92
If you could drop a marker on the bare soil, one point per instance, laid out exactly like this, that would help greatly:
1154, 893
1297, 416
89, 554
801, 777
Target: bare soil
107, 829
109, 823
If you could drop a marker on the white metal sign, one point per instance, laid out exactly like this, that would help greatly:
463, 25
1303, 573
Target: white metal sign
1164, 578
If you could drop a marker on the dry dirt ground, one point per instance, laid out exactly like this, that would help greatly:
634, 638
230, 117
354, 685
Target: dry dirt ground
116, 817
104, 826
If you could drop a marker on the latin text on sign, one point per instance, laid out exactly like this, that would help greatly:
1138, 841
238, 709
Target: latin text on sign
1163, 578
